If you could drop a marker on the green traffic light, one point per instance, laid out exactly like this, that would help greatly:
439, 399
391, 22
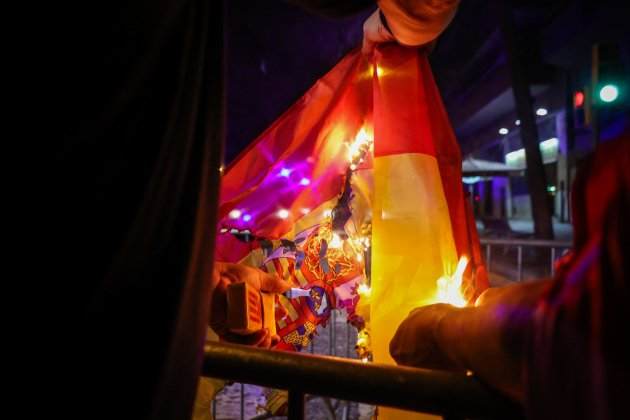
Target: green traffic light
609, 93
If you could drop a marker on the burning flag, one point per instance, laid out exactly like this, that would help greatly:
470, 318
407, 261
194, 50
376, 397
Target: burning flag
360, 179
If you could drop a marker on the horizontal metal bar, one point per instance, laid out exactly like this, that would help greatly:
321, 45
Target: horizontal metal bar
429, 391
526, 242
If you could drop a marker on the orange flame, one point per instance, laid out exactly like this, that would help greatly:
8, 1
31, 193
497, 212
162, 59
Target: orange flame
450, 287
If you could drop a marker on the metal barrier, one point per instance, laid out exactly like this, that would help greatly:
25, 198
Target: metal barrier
519, 244
452, 395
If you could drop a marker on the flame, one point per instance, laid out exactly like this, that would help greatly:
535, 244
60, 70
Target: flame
449, 287
380, 72
361, 143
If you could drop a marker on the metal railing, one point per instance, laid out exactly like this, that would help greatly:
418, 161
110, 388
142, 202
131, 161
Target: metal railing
350, 380
452, 395
520, 244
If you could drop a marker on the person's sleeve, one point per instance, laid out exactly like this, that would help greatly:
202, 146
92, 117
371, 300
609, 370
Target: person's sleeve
577, 365
417, 22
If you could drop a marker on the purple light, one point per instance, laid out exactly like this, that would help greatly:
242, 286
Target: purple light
247, 218
285, 172
305, 181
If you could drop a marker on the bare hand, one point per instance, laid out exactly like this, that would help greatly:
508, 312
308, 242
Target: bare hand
374, 33
227, 274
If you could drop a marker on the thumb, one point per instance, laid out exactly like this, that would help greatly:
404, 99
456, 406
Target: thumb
273, 284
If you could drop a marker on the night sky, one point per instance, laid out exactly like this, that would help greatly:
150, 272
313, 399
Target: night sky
276, 51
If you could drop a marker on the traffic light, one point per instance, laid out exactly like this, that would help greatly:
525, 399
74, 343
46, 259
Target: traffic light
581, 107
578, 99
612, 79
609, 93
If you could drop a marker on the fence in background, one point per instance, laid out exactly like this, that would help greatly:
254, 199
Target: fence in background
519, 245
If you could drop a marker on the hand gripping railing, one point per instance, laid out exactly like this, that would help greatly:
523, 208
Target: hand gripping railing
452, 395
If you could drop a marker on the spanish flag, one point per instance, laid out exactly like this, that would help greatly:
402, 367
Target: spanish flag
410, 190
419, 219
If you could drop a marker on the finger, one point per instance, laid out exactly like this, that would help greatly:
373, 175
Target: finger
254, 339
218, 314
265, 340
275, 340
273, 284
237, 273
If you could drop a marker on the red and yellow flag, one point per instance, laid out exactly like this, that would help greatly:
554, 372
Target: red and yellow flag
411, 191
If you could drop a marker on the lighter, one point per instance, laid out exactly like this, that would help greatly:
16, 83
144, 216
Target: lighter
249, 310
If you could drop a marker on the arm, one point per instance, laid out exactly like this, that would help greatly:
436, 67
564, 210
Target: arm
408, 22
487, 339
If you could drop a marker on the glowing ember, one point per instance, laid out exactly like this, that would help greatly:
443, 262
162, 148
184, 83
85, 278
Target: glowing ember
335, 242
364, 290
449, 287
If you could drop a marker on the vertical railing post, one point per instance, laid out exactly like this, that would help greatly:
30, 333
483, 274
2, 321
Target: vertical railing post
334, 333
331, 332
347, 338
488, 258
553, 260
296, 405
519, 262
242, 401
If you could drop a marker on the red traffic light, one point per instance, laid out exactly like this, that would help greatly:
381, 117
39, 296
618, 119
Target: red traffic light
578, 99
